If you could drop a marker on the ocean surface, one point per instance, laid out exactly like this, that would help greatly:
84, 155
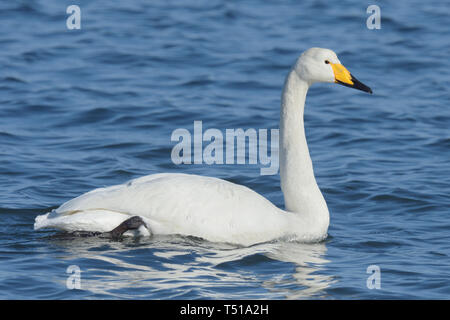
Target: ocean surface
96, 106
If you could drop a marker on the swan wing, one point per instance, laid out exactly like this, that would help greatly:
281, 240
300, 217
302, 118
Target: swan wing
206, 207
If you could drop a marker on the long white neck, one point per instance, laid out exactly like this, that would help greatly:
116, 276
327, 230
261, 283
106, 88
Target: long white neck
301, 192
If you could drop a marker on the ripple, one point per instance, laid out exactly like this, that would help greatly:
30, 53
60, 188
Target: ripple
96, 107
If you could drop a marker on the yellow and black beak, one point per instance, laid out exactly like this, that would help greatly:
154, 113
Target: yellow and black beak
344, 77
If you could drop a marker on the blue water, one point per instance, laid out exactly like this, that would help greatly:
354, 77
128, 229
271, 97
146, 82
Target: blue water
81, 109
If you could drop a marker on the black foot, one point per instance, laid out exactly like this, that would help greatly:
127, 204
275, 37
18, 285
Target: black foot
132, 223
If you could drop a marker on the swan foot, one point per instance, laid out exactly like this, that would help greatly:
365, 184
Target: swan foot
132, 223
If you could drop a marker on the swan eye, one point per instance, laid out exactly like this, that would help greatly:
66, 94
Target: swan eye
327, 62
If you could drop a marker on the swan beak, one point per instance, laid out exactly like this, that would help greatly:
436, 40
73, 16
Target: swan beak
344, 77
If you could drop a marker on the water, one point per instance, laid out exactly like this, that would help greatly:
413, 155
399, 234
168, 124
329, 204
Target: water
81, 109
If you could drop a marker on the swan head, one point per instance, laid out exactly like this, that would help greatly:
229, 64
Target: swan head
323, 65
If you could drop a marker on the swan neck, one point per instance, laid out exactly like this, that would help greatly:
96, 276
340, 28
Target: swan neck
299, 186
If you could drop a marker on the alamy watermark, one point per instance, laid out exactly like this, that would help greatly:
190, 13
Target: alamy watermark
374, 20
374, 280
74, 20
213, 147
74, 280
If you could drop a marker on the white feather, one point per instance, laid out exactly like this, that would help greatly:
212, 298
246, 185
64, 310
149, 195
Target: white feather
215, 209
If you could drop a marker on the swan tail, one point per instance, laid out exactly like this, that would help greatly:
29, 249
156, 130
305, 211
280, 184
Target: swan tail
92, 220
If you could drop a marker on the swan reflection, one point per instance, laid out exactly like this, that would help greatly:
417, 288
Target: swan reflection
175, 267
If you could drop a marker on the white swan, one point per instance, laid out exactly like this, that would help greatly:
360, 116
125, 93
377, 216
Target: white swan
215, 209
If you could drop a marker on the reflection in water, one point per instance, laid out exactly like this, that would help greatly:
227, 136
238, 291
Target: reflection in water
169, 267
309, 260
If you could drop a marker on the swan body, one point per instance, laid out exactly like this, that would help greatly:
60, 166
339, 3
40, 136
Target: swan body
215, 209
205, 207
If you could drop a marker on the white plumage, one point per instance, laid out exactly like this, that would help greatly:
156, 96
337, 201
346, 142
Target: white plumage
215, 209
207, 207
